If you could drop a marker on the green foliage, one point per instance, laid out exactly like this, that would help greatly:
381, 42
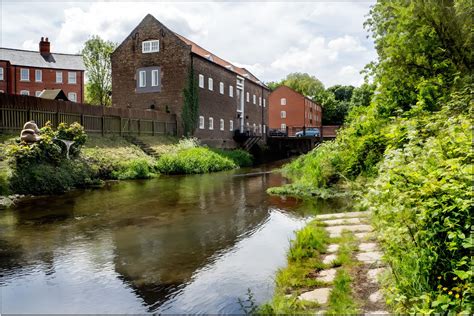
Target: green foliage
193, 160
134, 169
240, 157
362, 96
4, 178
340, 299
308, 242
301, 82
191, 104
97, 60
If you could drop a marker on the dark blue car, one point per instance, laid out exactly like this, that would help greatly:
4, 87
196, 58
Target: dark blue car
310, 132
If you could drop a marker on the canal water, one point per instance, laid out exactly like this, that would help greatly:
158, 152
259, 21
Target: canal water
174, 244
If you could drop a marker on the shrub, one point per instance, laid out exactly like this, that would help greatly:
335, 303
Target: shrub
193, 160
134, 169
240, 157
308, 242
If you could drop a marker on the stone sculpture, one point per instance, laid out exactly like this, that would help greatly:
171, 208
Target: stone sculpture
30, 132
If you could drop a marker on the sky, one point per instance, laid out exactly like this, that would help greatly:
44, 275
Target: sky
270, 39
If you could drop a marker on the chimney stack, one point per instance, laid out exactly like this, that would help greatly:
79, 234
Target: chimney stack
44, 46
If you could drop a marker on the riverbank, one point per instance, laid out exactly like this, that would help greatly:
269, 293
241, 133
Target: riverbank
42, 168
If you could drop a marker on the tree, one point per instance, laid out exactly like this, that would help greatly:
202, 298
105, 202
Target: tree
96, 54
191, 104
362, 95
303, 83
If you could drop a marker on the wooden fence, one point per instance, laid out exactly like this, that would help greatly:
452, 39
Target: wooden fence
15, 110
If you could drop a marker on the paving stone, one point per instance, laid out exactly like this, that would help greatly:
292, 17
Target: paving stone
319, 296
363, 235
373, 274
326, 275
332, 248
329, 258
369, 257
342, 221
368, 246
320, 312
341, 215
377, 313
335, 231
376, 297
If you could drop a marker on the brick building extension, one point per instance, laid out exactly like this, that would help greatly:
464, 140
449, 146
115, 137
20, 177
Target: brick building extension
30, 72
290, 110
150, 70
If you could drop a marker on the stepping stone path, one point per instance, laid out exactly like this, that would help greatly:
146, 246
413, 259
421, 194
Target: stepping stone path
366, 273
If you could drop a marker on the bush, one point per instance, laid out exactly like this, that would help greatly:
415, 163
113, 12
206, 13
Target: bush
240, 157
193, 160
308, 243
134, 169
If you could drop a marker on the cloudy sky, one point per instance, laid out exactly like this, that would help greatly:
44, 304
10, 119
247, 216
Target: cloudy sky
271, 39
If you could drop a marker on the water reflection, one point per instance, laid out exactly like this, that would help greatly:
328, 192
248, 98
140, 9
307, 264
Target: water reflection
183, 244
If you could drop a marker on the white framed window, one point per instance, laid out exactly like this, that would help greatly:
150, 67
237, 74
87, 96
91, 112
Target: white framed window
38, 75
71, 77
201, 122
260, 102
248, 126
222, 124
264, 128
25, 92
150, 46
231, 91
24, 74
59, 77
37, 93
260, 128
154, 78
72, 96
221, 87
142, 78
248, 97
283, 114
254, 99
283, 126
201, 81
254, 127
211, 123
264, 104
283, 101
1, 73
210, 84
231, 125
1, 91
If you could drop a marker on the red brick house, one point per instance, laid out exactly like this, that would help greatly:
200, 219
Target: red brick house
292, 111
150, 70
30, 72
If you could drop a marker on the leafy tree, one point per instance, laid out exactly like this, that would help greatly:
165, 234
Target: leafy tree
301, 82
191, 104
362, 95
342, 93
96, 54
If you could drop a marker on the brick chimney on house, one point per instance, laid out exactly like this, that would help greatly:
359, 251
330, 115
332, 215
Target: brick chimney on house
44, 47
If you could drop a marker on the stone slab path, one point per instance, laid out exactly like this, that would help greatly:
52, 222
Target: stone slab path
367, 270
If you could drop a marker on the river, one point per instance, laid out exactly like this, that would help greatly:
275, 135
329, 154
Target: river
173, 244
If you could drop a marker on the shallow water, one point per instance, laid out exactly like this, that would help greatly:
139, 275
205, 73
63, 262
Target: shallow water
174, 244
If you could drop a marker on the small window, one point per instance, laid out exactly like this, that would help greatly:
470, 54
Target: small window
150, 46
25, 92
231, 91
283, 126
254, 99
222, 124
201, 81
38, 75
24, 74
248, 97
154, 78
1, 73
71, 77
201, 122
283, 114
72, 96
264, 104
254, 127
260, 102
264, 128
221, 88
142, 79
260, 128
59, 77
283, 101
1, 91
231, 125
37, 93
211, 123
210, 84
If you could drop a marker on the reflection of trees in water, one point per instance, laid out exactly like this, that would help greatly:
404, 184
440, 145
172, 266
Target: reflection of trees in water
212, 213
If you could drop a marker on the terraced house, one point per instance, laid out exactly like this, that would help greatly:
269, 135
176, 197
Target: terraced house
150, 70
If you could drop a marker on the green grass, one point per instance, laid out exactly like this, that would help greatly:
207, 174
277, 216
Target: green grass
240, 157
341, 301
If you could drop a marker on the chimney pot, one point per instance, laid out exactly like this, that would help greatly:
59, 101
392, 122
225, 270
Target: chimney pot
44, 47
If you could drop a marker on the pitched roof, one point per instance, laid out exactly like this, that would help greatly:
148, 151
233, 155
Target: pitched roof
53, 94
198, 50
29, 58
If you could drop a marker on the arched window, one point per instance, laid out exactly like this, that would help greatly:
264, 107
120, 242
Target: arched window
211, 123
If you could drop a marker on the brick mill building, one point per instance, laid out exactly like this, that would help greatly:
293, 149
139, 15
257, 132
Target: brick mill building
30, 72
291, 111
150, 70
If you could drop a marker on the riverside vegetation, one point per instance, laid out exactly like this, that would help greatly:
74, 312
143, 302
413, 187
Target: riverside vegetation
42, 168
407, 157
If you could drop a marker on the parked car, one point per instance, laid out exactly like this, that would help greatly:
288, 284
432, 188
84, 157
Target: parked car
277, 132
309, 132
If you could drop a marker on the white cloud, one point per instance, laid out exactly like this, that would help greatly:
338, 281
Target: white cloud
270, 39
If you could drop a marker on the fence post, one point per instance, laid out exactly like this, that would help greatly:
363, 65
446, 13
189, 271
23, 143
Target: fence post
29, 114
103, 125
152, 128
57, 118
82, 119
166, 128
139, 127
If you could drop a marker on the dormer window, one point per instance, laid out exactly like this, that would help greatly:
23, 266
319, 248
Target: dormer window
150, 46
